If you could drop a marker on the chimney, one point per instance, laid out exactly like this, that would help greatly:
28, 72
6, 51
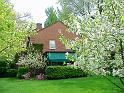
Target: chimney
39, 26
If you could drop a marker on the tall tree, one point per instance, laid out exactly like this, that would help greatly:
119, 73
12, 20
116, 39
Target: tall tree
78, 7
75, 10
100, 45
51, 16
11, 38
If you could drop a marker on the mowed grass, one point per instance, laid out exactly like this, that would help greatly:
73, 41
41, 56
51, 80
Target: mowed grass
75, 85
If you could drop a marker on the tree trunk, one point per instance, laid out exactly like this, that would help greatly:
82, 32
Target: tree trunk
121, 51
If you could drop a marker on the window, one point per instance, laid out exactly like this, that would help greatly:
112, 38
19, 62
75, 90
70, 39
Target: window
52, 44
59, 30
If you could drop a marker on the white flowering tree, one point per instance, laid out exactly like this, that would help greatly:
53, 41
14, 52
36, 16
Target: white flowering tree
33, 59
100, 45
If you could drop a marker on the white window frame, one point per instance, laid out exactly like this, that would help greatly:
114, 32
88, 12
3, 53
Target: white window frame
52, 44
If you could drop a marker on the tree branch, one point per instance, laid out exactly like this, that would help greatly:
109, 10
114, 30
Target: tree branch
99, 6
114, 83
121, 81
78, 8
113, 10
5, 48
121, 50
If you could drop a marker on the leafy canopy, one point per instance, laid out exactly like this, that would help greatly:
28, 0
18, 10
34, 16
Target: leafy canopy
51, 16
12, 34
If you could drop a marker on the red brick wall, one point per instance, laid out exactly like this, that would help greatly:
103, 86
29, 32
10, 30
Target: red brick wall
52, 33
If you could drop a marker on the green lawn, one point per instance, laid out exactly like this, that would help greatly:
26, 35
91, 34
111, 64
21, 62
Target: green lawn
76, 85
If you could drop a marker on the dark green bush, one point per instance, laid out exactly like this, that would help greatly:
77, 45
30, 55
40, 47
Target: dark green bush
3, 64
21, 71
3, 71
12, 65
3, 67
11, 73
61, 72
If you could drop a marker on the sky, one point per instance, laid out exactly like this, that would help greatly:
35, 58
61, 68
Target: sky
35, 7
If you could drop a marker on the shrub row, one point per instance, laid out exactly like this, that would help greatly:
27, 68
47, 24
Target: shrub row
11, 73
51, 72
6, 69
61, 72
3, 67
21, 71
4, 72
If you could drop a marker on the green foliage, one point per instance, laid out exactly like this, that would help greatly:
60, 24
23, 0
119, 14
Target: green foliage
11, 73
38, 47
12, 65
5, 70
72, 8
64, 63
3, 62
60, 72
51, 16
21, 71
12, 33
3, 67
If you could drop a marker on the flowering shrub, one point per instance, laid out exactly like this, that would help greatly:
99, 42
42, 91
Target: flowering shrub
31, 61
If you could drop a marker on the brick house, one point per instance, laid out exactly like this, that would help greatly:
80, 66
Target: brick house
53, 49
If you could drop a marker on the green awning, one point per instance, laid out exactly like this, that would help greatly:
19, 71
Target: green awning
57, 57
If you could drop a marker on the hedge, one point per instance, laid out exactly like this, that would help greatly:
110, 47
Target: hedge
11, 73
21, 71
3, 67
61, 72
6, 72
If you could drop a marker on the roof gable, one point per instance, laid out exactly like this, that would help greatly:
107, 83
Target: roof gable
58, 22
52, 33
